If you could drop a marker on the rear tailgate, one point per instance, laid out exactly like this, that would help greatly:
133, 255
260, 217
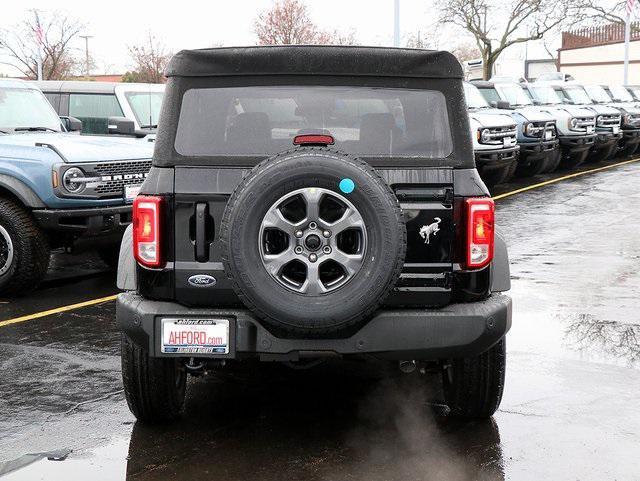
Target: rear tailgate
426, 278
426, 196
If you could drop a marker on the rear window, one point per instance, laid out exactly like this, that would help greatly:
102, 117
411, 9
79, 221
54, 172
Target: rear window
364, 121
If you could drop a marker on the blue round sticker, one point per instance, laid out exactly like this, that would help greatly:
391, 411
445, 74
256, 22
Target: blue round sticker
347, 185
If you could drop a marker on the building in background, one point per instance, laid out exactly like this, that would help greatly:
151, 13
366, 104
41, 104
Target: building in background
596, 54
516, 68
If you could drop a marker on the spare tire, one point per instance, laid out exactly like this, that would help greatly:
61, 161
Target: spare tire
313, 241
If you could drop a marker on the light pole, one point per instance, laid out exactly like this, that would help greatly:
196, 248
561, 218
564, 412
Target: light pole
86, 54
396, 23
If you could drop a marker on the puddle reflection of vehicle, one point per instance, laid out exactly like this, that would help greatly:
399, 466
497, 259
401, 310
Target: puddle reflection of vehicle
287, 424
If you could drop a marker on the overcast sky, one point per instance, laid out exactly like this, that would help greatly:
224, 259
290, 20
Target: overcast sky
116, 24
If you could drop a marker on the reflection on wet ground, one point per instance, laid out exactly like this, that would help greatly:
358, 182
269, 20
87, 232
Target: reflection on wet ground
571, 408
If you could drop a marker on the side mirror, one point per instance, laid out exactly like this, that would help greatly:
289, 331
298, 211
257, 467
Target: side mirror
121, 126
568, 101
536, 102
71, 123
500, 104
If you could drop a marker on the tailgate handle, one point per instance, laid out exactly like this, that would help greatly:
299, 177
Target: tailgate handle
202, 246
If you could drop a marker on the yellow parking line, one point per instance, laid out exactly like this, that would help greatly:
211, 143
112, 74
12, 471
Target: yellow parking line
57, 310
564, 177
100, 300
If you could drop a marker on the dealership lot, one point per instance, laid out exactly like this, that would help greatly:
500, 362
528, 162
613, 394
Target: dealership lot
570, 401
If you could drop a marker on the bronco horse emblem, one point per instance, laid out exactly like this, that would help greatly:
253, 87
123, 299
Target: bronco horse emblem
427, 230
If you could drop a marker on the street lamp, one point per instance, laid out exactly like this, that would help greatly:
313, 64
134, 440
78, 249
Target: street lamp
86, 54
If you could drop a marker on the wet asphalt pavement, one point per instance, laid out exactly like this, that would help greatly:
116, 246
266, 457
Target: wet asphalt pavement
571, 408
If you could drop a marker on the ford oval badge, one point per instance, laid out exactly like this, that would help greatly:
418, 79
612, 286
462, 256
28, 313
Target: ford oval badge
202, 280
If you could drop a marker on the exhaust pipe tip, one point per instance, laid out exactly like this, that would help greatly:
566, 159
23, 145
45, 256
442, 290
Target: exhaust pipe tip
407, 366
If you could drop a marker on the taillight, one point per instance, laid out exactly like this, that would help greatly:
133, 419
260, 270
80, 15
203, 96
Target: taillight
480, 231
147, 212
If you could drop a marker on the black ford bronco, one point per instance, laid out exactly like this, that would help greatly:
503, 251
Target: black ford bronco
308, 202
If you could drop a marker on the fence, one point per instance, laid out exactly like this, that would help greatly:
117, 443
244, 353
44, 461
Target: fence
600, 35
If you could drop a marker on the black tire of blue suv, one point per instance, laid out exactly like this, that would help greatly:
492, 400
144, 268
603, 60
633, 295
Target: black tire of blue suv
336, 311
24, 250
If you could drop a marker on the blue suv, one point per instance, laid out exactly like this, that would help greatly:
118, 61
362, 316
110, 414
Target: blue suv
58, 188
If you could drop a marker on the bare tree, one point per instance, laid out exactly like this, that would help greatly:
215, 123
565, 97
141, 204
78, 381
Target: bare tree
427, 38
288, 23
466, 51
497, 25
51, 34
149, 59
602, 11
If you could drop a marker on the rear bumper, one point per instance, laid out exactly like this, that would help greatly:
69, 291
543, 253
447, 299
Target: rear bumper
496, 159
96, 221
457, 330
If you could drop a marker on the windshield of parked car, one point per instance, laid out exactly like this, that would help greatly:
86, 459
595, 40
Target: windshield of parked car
597, 94
621, 93
545, 94
636, 92
577, 95
22, 108
146, 107
490, 94
513, 93
475, 100
260, 120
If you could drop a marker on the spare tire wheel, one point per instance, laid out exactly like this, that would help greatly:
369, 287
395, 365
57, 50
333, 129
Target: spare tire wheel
313, 241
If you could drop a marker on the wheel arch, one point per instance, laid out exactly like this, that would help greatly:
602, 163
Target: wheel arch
126, 279
500, 270
16, 189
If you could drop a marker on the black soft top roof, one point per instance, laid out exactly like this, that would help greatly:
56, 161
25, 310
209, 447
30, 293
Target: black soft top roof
315, 60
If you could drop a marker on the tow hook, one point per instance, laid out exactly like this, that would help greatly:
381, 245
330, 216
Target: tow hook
407, 366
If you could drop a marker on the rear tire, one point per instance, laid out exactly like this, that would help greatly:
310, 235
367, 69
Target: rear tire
473, 386
155, 388
24, 250
304, 305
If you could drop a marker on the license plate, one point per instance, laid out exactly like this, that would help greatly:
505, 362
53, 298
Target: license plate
548, 135
131, 191
615, 129
195, 336
507, 141
589, 129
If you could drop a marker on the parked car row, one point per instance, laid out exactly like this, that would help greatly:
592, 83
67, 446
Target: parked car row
63, 188
107, 107
59, 189
556, 124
